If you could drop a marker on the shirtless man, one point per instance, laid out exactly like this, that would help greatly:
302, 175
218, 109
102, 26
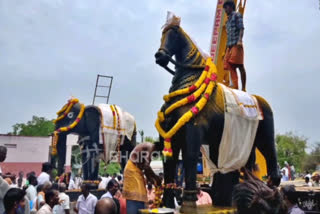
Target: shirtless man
134, 186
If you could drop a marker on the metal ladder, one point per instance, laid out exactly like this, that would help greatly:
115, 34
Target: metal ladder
107, 84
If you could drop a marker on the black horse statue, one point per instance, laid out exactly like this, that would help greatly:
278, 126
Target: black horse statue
206, 127
88, 128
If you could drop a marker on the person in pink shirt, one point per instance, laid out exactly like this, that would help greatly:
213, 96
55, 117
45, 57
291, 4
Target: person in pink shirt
203, 198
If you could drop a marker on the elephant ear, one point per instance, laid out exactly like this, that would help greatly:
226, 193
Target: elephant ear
92, 108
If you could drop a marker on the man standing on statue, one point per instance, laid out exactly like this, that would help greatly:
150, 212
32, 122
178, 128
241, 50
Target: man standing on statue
234, 53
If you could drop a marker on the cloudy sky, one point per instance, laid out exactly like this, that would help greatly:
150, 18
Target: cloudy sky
52, 49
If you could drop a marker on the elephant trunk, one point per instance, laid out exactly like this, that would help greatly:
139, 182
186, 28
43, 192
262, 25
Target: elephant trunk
62, 151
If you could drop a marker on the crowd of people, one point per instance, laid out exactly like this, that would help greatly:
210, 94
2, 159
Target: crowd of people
43, 195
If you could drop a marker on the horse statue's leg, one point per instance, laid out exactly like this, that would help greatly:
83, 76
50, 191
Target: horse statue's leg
190, 152
265, 141
169, 169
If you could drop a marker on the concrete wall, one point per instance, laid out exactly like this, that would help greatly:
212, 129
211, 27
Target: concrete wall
28, 153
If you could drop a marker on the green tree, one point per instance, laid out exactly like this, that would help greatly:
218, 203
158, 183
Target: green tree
312, 160
38, 126
149, 139
291, 148
109, 168
141, 132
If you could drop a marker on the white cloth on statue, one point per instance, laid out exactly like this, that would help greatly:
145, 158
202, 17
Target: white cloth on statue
110, 133
240, 127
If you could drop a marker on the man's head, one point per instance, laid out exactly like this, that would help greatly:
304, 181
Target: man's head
55, 186
307, 179
39, 188
254, 196
32, 180
229, 7
106, 206
3, 153
315, 177
47, 167
21, 174
85, 189
113, 186
52, 197
14, 201
46, 186
288, 193
62, 187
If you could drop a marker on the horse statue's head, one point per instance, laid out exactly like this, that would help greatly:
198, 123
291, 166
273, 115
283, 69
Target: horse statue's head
175, 42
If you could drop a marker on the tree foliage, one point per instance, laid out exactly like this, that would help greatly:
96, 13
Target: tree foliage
291, 148
150, 139
141, 132
108, 168
312, 160
38, 126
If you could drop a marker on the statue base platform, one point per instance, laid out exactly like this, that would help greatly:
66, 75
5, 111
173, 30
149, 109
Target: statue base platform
198, 210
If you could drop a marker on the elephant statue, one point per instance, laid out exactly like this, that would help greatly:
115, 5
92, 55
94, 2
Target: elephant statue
206, 125
96, 138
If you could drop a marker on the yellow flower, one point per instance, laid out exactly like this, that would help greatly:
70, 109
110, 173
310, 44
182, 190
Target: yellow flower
204, 85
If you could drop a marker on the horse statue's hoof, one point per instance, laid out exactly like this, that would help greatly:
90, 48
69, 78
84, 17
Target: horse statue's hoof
188, 207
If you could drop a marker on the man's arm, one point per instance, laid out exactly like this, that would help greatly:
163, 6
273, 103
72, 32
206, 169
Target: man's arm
151, 176
76, 208
240, 37
240, 26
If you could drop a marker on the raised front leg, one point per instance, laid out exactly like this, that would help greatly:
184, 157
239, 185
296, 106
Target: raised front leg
191, 151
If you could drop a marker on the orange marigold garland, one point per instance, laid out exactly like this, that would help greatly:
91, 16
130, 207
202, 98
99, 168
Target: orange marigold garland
64, 129
159, 191
202, 90
66, 109
119, 132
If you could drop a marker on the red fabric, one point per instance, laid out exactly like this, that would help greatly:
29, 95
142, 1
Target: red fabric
123, 205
